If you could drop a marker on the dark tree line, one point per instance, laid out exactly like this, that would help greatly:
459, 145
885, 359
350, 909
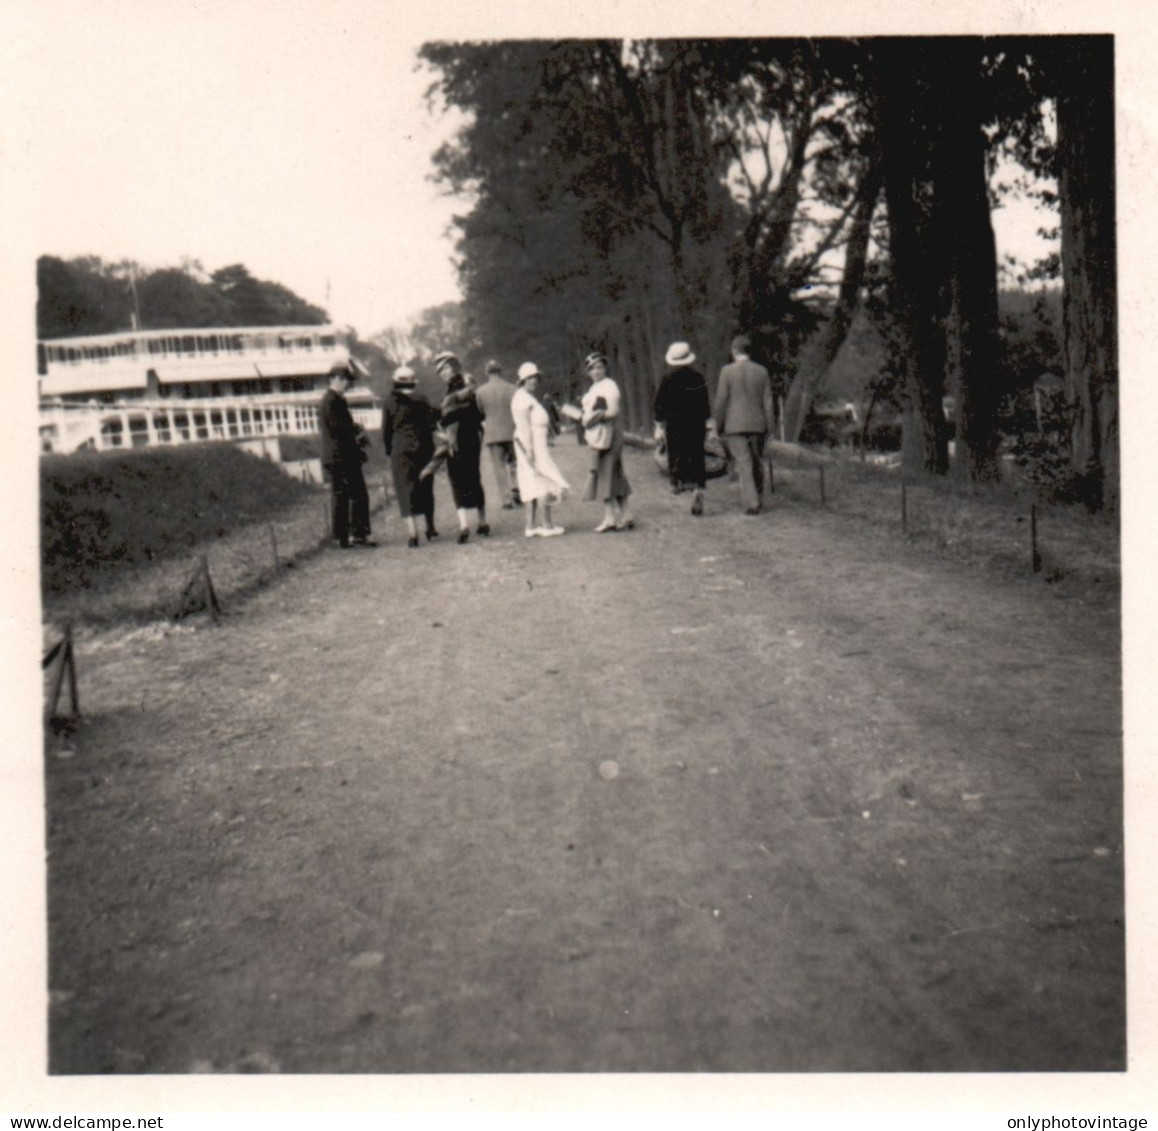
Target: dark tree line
89, 296
626, 193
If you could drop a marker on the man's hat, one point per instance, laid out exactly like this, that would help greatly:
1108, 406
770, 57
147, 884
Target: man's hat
404, 377
493, 366
679, 353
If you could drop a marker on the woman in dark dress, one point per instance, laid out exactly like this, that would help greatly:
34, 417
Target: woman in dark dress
461, 423
408, 424
683, 408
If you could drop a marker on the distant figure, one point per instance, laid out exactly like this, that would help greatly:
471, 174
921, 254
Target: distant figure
541, 483
494, 397
462, 423
682, 408
408, 424
342, 459
603, 433
744, 415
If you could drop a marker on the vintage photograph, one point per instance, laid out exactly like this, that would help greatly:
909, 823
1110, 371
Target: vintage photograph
581, 555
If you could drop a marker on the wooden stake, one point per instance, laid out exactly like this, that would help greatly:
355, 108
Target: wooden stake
273, 547
210, 594
70, 659
822, 484
1035, 555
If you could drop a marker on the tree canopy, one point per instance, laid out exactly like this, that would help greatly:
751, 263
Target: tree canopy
89, 296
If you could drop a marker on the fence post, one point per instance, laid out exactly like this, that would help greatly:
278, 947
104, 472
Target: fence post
273, 546
822, 484
904, 509
210, 592
1035, 555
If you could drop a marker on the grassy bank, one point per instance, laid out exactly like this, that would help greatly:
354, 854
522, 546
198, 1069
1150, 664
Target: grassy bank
122, 531
987, 526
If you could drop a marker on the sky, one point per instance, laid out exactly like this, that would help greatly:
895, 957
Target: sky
292, 138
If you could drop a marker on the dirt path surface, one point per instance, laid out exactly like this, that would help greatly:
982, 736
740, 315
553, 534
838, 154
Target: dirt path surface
719, 794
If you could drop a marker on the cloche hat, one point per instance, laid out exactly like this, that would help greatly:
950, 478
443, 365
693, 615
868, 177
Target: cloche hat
528, 370
593, 358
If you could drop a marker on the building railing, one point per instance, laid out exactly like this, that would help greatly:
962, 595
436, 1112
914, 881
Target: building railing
66, 428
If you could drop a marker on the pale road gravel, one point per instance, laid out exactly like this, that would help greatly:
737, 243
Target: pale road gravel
725, 794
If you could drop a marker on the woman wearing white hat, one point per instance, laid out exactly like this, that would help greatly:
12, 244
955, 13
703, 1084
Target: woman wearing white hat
541, 483
682, 408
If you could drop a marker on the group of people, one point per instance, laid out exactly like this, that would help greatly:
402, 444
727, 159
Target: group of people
743, 414
514, 426
508, 420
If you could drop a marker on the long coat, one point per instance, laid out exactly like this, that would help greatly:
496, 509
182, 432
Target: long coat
682, 407
408, 431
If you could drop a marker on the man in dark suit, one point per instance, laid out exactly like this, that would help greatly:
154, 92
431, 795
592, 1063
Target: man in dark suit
744, 415
342, 458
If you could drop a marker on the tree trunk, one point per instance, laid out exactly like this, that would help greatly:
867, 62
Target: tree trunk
915, 289
962, 185
1089, 265
822, 350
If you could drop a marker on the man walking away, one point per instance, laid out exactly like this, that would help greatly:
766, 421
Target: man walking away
494, 398
342, 459
744, 417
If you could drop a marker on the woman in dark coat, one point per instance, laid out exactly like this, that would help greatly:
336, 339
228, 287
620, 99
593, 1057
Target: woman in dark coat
683, 408
408, 424
461, 423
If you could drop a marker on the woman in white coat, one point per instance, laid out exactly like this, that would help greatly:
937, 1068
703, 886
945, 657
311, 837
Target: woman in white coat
541, 483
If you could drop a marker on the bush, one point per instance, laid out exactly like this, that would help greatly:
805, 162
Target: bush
103, 510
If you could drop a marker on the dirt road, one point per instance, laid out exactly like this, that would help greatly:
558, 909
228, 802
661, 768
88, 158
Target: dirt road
719, 794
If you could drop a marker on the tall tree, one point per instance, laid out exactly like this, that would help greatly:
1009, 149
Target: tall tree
1084, 71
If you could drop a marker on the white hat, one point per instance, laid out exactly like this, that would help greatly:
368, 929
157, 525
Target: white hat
404, 377
442, 360
528, 370
679, 353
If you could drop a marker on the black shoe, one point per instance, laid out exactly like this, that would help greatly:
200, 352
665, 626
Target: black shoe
369, 543
463, 536
752, 510
508, 506
698, 504
340, 545
484, 530
431, 535
412, 543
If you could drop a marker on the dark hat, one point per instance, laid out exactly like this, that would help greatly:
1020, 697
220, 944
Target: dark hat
342, 369
493, 366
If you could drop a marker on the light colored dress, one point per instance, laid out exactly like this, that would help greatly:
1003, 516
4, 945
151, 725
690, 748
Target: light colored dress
538, 475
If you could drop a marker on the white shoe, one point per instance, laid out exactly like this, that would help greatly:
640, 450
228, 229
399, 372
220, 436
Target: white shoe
550, 531
534, 532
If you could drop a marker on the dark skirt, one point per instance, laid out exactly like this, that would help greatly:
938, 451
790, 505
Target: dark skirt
415, 496
685, 453
462, 470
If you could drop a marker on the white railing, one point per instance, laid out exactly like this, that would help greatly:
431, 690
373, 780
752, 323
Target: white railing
66, 428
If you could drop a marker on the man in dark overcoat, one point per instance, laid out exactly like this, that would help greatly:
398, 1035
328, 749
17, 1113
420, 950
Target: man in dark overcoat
342, 459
